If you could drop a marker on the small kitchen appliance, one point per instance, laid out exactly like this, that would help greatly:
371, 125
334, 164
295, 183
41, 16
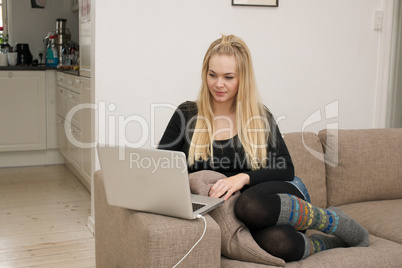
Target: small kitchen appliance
62, 36
24, 56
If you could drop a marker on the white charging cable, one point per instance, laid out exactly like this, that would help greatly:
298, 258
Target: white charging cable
196, 243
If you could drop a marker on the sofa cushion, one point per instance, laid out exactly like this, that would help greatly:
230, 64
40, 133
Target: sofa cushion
236, 242
362, 165
380, 218
380, 253
306, 150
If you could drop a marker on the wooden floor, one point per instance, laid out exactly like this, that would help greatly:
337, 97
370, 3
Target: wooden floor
43, 216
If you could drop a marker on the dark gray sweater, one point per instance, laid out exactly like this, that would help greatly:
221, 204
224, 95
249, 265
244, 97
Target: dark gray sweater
228, 155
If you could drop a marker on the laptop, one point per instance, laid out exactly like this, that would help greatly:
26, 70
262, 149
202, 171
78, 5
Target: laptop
151, 180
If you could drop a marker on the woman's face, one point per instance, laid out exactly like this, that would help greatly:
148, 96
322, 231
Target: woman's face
222, 79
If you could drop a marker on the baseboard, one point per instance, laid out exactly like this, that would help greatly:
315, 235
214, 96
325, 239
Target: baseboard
31, 158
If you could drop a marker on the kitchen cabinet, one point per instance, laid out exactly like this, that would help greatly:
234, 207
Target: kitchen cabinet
88, 136
85, 10
22, 111
28, 132
61, 136
86, 34
75, 124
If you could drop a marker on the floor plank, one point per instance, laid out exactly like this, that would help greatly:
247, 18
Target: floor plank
43, 216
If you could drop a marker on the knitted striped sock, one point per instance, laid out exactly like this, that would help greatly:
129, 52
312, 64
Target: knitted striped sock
319, 242
303, 215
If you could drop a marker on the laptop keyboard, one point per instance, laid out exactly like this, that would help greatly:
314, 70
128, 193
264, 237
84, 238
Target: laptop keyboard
197, 206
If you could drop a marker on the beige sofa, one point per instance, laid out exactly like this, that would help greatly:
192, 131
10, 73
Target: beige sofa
359, 171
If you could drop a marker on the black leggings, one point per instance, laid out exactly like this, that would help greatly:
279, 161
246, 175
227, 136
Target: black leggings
258, 208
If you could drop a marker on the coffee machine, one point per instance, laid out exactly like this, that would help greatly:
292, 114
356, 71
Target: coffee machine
24, 56
62, 37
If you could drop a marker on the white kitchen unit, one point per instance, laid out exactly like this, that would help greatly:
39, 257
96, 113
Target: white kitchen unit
87, 71
28, 128
22, 111
75, 122
86, 37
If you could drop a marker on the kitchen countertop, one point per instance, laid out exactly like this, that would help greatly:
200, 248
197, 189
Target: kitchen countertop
26, 68
37, 68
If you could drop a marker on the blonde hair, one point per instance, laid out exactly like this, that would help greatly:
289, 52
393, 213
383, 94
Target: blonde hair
252, 117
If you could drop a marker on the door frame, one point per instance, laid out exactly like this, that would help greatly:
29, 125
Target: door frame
385, 66
395, 68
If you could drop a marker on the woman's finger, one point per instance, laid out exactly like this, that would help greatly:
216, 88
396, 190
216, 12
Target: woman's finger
218, 189
227, 195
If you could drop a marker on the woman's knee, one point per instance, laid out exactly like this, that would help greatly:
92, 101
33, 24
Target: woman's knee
282, 241
242, 207
257, 210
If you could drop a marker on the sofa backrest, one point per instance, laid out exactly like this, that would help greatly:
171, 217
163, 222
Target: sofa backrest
302, 148
362, 165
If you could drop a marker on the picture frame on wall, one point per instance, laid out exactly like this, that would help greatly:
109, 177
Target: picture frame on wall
38, 3
258, 3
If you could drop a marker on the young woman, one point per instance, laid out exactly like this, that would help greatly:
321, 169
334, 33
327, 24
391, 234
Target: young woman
228, 130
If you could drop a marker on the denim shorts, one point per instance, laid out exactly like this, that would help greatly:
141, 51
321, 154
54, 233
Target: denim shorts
298, 183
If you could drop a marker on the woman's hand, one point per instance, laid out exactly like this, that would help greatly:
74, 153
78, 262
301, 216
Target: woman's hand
229, 186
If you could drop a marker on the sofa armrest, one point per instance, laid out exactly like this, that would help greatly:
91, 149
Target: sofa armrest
128, 238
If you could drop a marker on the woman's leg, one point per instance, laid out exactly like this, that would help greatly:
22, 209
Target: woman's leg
302, 215
267, 207
288, 244
259, 208
282, 241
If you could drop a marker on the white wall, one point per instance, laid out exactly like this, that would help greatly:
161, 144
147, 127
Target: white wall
31, 25
307, 55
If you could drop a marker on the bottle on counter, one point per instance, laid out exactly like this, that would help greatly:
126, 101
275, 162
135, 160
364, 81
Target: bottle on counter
65, 55
74, 54
52, 57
